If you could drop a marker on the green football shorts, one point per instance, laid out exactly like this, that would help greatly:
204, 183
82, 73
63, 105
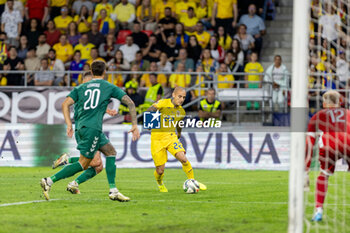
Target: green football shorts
89, 140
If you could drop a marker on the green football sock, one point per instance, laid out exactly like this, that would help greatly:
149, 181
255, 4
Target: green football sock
111, 170
87, 174
73, 159
67, 171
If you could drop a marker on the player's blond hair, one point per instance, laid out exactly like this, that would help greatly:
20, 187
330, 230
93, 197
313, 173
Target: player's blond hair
331, 97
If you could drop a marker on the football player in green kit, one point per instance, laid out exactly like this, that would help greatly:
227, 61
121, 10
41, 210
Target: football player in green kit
91, 100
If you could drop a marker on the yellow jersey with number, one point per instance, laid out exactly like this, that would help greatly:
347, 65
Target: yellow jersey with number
170, 116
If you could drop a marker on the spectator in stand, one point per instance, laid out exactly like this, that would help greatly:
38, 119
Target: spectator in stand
129, 49
78, 5
37, 9
145, 79
203, 13
124, 14
189, 21
244, 5
63, 20
52, 34
253, 68
216, 51
103, 5
57, 66
209, 64
165, 9
72, 35
43, 48
342, 69
210, 107
247, 40
164, 65
199, 79
136, 77
121, 63
84, 47
194, 50
86, 68
3, 50
115, 78
225, 40
33, 33
222, 78
203, 37
167, 22
145, 15
44, 78
142, 63
131, 91
76, 65
255, 26
94, 56
23, 47
64, 50
237, 51
181, 36
106, 24
172, 49
329, 24
182, 58
225, 13
11, 24
180, 80
153, 49
32, 62
95, 37
277, 74
83, 20
139, 38
56, 7
181, 8
18, 6
154, 93
231, 64
108, 49
13, 63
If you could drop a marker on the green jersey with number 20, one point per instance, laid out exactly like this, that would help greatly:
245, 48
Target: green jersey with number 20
91, 100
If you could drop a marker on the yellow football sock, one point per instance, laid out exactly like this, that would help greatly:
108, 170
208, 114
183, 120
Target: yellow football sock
188, 170
159, 178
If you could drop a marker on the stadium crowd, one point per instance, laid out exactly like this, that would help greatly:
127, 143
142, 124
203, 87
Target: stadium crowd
328, 48
216, 36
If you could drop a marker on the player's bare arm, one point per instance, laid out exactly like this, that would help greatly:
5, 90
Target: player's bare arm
66, 113
179, 129
134, 130
152, 109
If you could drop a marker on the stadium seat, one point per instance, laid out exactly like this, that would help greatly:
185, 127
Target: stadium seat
148, 32
122, 36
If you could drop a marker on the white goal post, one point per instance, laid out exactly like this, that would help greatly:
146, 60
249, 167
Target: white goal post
300, 58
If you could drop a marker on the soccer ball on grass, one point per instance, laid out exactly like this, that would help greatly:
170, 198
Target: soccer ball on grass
191, 186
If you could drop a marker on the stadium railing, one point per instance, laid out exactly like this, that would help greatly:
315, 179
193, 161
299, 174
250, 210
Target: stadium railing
233, 97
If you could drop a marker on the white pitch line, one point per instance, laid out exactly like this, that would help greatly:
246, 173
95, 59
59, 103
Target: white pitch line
25, 202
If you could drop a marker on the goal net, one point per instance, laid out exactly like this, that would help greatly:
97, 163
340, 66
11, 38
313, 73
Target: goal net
328, 56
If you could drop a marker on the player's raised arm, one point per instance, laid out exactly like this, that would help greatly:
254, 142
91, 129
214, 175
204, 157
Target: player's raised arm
66, 113
134, 130
152, 109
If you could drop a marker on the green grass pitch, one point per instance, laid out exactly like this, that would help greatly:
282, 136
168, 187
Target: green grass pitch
236, 201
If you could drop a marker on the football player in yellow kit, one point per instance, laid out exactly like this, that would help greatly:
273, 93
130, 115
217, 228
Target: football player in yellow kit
166, 139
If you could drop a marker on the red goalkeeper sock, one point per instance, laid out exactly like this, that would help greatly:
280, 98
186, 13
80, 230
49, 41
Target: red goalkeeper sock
321, 189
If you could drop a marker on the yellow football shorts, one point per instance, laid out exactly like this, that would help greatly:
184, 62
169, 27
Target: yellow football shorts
159, 148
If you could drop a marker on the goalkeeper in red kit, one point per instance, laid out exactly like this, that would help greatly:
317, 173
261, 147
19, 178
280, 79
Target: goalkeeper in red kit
328, 128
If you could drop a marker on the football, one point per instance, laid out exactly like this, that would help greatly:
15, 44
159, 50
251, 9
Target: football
191, 186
